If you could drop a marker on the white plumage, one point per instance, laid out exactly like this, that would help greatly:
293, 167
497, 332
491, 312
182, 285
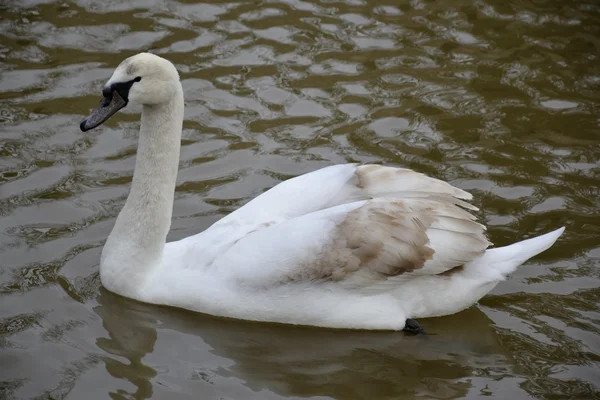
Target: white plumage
347, 246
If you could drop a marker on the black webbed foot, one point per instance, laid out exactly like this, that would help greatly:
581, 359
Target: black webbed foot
412, 327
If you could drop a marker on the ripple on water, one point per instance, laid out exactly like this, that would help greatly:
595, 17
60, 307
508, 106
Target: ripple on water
498, 98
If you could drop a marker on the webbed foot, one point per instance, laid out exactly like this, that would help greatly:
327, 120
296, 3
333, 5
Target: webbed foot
412, 327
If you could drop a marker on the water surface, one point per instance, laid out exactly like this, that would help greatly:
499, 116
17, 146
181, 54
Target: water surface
499, 98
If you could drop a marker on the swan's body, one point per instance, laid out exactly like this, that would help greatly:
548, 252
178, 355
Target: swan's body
347, 246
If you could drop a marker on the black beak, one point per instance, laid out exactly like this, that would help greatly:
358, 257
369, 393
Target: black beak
109, 105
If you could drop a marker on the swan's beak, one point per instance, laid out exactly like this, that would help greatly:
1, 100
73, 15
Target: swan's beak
109, 105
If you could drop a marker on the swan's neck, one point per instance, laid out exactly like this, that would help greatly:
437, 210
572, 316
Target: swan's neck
135, 245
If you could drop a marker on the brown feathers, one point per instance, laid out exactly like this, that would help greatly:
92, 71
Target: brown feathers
413, 225
385, 239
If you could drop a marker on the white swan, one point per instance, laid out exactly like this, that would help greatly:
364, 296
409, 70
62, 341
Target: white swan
347, 246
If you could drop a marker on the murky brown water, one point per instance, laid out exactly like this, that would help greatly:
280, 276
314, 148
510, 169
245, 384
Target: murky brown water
500, 98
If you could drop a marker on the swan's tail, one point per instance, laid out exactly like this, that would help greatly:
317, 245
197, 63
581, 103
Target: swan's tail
505, 260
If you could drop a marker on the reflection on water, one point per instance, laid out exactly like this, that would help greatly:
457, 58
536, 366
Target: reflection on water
132, 335
499, 98
216, 354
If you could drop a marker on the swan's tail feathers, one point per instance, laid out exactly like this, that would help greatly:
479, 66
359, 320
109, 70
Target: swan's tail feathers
505, 260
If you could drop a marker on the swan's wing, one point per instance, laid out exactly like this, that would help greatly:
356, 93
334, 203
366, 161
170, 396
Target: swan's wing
370, 244
305, 195
293, 197
337, 185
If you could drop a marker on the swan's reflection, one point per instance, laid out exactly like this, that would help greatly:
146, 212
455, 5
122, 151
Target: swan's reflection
132, 334
197, 354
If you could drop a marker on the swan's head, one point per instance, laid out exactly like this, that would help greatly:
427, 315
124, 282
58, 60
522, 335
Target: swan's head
144, 79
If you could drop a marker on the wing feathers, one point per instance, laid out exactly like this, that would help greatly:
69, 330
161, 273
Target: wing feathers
376, 179
405, 225
391, 238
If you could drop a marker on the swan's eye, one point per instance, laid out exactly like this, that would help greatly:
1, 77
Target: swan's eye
138, 78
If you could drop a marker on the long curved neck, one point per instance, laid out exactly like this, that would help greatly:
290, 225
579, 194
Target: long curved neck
134, 247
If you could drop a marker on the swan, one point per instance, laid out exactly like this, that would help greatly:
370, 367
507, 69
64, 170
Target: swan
347, 246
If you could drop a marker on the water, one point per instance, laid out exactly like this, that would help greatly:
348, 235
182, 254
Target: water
499, 98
